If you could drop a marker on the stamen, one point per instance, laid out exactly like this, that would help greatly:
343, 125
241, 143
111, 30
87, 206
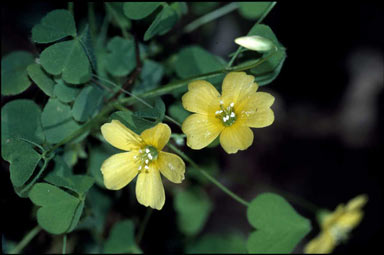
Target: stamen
232, 104
146, 161
140, 167
150, 156
147, 150
221, 102
146, 167
232, 114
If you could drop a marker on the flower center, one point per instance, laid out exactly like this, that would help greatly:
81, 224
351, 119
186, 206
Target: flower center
146, 156
226, 114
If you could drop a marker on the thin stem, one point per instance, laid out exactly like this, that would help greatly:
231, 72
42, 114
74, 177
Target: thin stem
211, 16
143, 225
70, 7
26, 187
208, 176
64, 244
92, 19
270, 7
26, 240
172, 120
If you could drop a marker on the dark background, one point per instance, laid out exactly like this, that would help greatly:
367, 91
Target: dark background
325, 146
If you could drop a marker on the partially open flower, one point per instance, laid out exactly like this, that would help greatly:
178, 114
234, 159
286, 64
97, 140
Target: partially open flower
144, 158
229, 115
336, 226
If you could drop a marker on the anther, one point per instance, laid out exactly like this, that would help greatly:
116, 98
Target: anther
232, 104
146, 167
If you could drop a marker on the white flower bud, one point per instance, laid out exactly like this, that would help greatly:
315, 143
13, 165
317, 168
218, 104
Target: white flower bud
255, 42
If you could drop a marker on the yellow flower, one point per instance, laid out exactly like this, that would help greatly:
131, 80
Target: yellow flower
336, 226
145, 158
229, 115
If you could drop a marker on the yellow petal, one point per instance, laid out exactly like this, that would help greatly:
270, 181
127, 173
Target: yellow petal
323, 243
120, 136
157, 136
237, 86
350, 220
236, 137
149, 188
202, 97
357, 202
171, 166
201, 130
259, 118
118, 170
258, 100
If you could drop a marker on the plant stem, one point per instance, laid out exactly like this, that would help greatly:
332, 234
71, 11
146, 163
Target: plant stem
64, 244
26, 240
70, 8
211, 16
208, 176
270, 7
143, 225
115, 15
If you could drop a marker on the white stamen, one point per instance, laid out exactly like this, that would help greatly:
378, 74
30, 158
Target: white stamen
150, 156
140, 150
217, 112
232, 114
147, 150
224, 119
146, 167
135, 157
139, 167
221, 102
232, 104
146, 161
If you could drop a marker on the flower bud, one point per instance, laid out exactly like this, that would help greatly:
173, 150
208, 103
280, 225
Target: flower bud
255, 42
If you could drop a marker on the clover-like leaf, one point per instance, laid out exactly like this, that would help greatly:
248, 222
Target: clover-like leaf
139, 10
87, 103
279, 227
65, 92
86, 42
77, 183
42, 80
59, 211
120, 60
121, 239
193, 207
69, 59
14, 77
163, 22
57, 121
54, 26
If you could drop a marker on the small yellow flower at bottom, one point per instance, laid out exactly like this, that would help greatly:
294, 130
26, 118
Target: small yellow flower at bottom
336, 226
229, 115
144, 158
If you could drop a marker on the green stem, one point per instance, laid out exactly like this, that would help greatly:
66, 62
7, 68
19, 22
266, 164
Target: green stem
64, 244
70, 7
211, 16
92, 19
26, 240
153, 93
143, 225
26, 187
208, 176
270, 7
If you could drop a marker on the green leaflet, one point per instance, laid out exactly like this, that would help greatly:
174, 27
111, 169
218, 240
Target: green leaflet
253, 10
54, 26
57, 121
139, 10
193, 207
121, 59
279, 227
122, 239
59, 211
163, 22
42, 80
87, 103
14, 77
69, 59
